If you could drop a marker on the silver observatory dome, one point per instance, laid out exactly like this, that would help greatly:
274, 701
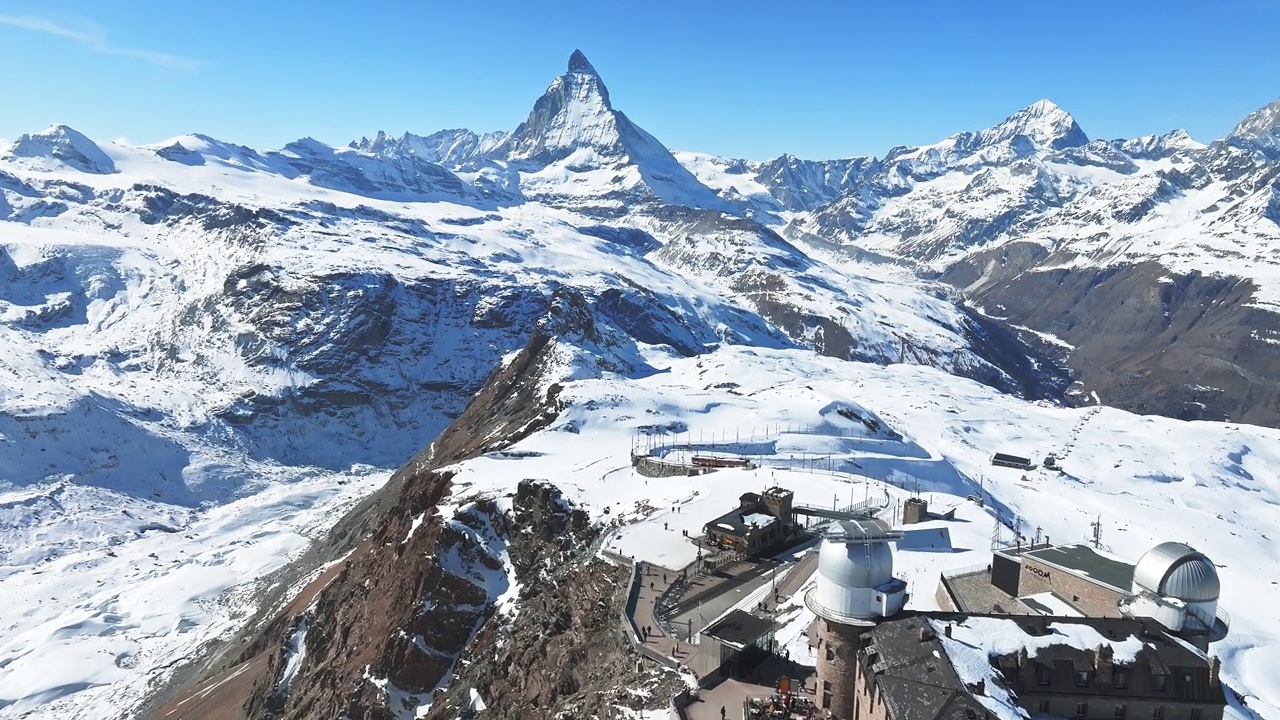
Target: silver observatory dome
855, 566
1175, 570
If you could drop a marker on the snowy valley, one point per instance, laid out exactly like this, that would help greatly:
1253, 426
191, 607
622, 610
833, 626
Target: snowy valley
211, 355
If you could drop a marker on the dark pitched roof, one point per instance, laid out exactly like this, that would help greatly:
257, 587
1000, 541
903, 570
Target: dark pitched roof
915, 673
916, 679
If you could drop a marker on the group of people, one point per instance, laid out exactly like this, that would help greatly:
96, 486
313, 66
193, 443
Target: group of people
781, 706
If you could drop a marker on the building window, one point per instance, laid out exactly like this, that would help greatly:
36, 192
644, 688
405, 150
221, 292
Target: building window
1119, 712
1158, 713
1120, 679
830, 655
1160, 681
1082, 709
1042, 674
1083, 678
1043, 707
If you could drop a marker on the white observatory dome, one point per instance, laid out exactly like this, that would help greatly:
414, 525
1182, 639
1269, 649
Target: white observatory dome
1175, 570
848, 578
861, 565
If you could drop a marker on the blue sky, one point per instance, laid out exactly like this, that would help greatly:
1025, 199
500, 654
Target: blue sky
743, 79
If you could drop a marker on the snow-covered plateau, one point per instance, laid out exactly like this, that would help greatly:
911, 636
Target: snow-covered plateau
210, 353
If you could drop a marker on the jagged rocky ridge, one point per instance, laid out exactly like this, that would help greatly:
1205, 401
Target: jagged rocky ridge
387, 624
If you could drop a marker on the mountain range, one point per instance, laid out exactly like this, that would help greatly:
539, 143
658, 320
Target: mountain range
193, 326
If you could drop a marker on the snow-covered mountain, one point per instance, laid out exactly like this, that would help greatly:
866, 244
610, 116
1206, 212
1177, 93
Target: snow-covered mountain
1261, 130
1039, 225
209, 352
192, 326
60, 147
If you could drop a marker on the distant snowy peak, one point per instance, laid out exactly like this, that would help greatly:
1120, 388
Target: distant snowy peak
1260, 123
575, 150
451, 148
66, 146
1155, 147
197, 149
1046, 125
574, 113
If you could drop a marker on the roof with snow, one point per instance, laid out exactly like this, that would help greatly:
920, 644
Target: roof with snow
965, 672
741, 522
916, 679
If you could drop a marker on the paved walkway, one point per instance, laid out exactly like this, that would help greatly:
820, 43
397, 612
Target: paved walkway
730, 695
705, 599
654, 581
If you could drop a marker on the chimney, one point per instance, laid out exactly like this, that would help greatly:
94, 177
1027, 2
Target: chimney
926, 633
1104, 662
1215, 669
980, 687
946, 630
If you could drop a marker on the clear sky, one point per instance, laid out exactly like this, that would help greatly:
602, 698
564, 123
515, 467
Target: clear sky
819, 78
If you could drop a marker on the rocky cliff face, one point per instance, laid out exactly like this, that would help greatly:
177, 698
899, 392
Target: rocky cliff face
386, 624
1187, 346
565, 652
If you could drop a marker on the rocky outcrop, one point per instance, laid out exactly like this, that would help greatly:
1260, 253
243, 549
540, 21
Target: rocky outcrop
565, 653
395, 614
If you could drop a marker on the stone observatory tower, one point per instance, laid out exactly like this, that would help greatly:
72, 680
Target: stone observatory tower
855, 589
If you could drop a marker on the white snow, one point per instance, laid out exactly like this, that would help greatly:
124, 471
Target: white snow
1057, 607
137, 517
1151, 479
297, 644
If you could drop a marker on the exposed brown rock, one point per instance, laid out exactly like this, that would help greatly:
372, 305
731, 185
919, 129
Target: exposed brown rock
392, 588
1188, 346
565, 653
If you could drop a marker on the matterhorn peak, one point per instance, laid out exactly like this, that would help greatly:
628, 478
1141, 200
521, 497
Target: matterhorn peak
578, 63
574, 112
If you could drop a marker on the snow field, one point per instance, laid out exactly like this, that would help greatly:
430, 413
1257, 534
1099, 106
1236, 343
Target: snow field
1150, 479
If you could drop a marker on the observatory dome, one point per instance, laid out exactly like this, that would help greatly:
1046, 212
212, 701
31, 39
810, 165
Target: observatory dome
1175, 570
855, 582
864, 565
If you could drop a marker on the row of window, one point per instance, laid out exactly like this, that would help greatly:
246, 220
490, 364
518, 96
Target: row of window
1084, 678
1082, 710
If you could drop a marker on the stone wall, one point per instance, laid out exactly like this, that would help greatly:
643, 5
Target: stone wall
942, 595
837, 658
1093, 600
867, 703
1066, 706
650, 466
